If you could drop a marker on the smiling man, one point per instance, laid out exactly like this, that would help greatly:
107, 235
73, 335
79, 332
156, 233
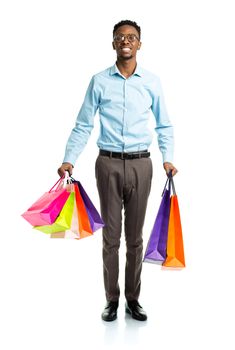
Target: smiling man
125, 95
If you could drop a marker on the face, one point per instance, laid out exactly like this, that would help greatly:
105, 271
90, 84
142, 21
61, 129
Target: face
126, 49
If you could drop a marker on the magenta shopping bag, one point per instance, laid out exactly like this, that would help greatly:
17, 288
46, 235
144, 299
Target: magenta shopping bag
46, 209
156, 248
95, 219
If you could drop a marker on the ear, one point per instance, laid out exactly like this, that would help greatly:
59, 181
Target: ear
113, 45
139, 46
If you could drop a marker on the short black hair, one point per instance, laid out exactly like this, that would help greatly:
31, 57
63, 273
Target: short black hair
129, 23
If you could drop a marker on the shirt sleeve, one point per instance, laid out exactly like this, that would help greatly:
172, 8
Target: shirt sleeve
164, 127
84, 124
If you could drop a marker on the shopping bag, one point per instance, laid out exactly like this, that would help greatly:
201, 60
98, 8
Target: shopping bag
73, 231
80, 224
63, 221
85, 229
96, 221
64, 234
86, 218
175, 246
156, 248
46, 209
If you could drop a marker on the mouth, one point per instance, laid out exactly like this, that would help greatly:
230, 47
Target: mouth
126, 49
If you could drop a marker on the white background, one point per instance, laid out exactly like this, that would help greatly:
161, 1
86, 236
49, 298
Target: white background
52, 291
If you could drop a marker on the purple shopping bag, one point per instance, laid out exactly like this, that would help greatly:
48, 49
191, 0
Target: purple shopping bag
96, 221
156, 248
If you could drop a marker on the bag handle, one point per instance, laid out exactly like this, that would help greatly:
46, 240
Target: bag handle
67, 179
171, 181
64, 178
72, 179
167, 182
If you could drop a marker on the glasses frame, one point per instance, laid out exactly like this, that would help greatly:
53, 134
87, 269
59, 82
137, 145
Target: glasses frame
126, 36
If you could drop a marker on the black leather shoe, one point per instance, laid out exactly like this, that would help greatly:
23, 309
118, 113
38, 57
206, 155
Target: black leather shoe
135, 310
110, 311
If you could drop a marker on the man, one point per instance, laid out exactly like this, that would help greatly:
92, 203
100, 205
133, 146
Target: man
124, 94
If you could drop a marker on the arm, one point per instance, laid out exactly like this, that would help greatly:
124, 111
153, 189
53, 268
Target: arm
164, 129
83, 127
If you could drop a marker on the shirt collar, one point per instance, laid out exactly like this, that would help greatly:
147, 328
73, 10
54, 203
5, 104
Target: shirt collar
114, 70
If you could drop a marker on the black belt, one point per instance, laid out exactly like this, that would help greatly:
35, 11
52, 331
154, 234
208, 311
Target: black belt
123, 155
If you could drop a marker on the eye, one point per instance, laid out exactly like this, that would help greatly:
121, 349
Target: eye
118, 38
131, 37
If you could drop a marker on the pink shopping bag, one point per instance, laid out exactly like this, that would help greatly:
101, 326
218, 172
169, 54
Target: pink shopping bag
46, 209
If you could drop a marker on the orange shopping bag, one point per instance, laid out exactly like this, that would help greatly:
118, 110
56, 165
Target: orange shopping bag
85, 229
175, 245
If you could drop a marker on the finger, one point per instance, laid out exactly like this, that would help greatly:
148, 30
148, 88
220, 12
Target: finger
61, 172
69, 171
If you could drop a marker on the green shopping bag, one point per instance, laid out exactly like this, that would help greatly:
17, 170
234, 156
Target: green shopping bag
64, 220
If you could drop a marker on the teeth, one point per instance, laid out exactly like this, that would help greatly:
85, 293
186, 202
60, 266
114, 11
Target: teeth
126, 49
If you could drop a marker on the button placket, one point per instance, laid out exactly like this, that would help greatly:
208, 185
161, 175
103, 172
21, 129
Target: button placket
125, 110
124, 106
123, 115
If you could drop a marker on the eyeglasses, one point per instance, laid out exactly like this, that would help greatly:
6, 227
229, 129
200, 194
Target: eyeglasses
130, 37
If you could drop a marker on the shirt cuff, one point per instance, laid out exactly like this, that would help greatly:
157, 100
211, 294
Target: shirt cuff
69, 160
167, 158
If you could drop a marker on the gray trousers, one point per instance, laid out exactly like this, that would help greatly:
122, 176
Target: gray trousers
123, 183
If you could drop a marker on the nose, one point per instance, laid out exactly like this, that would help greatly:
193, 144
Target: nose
125, 40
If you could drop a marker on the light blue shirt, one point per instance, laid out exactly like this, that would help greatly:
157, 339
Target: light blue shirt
125, 106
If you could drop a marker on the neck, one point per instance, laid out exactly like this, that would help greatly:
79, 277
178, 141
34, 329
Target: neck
126, 67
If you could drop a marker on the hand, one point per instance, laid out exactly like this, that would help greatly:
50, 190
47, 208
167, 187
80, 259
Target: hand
168, 167
64, 167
